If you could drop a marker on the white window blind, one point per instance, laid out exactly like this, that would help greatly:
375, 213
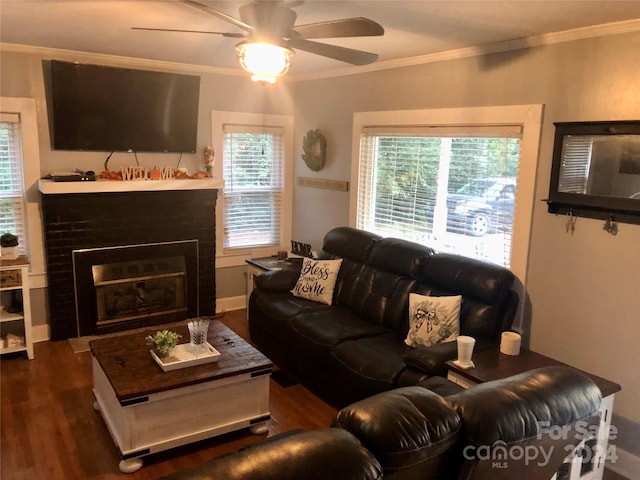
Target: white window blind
253, 169
12, 202
576, 161
452, 188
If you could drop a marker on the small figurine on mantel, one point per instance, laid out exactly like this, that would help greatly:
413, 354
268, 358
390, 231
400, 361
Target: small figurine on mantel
209, 157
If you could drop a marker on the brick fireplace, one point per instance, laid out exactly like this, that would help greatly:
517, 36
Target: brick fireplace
154, 244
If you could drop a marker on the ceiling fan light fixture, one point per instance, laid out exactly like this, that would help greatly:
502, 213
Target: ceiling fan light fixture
264, 61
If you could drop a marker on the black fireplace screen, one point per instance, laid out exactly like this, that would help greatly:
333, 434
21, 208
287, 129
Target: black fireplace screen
133, 286
139, 289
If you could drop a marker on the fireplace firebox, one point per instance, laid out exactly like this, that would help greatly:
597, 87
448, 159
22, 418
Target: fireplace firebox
124, 287
133, 290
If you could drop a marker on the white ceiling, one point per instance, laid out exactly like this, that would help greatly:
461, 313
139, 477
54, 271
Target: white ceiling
412, 28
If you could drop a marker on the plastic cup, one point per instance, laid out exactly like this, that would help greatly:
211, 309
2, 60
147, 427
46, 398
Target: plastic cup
465, 349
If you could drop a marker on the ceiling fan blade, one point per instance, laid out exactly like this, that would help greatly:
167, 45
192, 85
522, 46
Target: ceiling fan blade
348, 27
219, 14
224, 34
355, 57
271, 20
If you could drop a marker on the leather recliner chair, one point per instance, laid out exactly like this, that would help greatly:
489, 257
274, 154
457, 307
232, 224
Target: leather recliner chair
505, 429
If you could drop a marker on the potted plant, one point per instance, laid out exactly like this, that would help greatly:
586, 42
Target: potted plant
163, 341
9, 244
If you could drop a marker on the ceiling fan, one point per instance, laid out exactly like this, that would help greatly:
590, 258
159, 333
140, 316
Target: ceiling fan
269, 28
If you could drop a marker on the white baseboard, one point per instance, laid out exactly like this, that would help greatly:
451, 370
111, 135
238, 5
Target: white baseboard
231, 303
40, 333
627, 464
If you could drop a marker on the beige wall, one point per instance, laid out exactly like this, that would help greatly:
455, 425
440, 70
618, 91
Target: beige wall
22, 76
584, 289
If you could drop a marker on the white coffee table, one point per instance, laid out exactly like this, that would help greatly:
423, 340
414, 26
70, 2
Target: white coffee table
148, 410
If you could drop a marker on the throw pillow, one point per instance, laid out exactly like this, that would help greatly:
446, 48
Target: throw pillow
317, 280
433, 319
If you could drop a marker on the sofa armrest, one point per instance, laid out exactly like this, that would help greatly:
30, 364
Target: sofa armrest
431, 360
277, 280
331, 453
525, 411
409, 430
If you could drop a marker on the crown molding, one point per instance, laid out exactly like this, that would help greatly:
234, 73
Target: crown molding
498, 47
115, 60
592, 31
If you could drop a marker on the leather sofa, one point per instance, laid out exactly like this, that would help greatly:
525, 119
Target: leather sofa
355, 347
520, 427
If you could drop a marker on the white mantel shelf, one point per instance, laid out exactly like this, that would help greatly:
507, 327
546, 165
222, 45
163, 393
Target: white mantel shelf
49, 187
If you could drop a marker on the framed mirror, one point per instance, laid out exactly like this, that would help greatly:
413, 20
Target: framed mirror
596, 170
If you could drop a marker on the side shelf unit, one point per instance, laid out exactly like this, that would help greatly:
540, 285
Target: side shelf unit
15, 326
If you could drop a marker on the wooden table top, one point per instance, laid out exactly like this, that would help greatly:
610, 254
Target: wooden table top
491, 364
132, 371
21, 261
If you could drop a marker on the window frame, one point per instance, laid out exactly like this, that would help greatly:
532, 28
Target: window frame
15, 193
26, 108
529, 117
237, 257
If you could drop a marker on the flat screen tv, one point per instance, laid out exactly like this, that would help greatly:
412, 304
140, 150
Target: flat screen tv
107, 109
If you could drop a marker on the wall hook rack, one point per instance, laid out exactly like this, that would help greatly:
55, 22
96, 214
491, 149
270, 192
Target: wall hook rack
611, 226
595, 171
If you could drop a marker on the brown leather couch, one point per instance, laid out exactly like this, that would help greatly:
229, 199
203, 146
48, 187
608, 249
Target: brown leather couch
521, 427
355, 348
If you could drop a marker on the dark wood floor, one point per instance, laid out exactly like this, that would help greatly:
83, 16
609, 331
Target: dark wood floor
50, 431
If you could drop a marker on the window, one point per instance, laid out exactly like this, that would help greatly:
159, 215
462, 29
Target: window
25, 136
254, 186
453, 189
12, 201
459, 180
256, 202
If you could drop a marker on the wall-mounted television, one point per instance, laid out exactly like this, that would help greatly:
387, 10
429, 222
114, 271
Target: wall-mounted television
99, 108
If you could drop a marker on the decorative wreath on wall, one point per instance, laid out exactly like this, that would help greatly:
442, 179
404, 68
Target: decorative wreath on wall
314, 146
